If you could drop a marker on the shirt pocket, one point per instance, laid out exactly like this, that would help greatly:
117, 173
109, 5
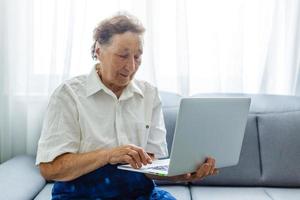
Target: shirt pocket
141, 131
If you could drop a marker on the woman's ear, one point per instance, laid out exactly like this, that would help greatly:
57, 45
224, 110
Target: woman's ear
97, 51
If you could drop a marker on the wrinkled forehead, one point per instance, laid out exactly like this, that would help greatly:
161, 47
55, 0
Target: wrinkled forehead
127, 42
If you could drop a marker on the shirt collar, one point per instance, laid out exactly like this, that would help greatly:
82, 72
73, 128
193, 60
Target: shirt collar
95, 84
131, 89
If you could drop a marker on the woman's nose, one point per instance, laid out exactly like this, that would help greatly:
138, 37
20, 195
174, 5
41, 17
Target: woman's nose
131, 64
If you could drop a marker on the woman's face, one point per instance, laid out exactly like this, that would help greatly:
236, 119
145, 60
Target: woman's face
120, 59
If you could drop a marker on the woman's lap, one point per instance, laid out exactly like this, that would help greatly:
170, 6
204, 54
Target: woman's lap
109, 182
156, 194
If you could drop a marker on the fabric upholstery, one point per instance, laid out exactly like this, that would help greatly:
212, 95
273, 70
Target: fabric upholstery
179, 192
229, 193
263, 103
283, 193
279, 135
45, 193
170, 104
170, 99
20, 178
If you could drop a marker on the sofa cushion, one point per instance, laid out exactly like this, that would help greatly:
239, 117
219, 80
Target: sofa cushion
170, 102
274, 103
247, 172
263, 103
283, 193
228, 193
45, 193
170, 115
279, 135
179, 192
169, 99
20, 178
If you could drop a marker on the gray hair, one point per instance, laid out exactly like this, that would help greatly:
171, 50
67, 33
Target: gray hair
117, 24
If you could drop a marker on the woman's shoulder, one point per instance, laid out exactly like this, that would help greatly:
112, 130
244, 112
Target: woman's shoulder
72, 85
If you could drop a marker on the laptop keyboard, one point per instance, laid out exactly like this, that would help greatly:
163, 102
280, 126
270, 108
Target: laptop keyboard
162, 167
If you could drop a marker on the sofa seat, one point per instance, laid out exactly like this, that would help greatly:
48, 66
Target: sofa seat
214, 193
179, 192
20, 178
45, 193
243, 193
284, 193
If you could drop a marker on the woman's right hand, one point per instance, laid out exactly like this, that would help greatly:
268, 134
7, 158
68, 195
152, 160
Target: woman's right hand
131, 154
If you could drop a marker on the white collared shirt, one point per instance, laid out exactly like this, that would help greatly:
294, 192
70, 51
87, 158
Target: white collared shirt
84, 115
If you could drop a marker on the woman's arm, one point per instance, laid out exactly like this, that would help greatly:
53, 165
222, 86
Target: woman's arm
70, 166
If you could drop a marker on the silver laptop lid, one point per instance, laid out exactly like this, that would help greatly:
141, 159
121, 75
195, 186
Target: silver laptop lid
208, 127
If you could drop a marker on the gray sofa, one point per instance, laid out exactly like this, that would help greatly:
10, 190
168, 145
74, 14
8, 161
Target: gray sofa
269, 166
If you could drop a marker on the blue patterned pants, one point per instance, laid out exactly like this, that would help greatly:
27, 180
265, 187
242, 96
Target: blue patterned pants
108, 182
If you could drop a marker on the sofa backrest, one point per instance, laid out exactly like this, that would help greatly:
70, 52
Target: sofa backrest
278, 121
270, 154
170, 103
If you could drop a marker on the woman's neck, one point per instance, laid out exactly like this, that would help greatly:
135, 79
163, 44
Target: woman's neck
117, 90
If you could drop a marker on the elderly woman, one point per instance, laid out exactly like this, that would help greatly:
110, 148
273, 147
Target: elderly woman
97, 121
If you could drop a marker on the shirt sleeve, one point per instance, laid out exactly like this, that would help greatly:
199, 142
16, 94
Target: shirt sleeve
61, 130
157, 143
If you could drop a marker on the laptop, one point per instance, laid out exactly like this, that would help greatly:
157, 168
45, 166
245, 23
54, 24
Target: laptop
205, 126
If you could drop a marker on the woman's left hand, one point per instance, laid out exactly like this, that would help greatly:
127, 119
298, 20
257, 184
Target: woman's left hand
204, 170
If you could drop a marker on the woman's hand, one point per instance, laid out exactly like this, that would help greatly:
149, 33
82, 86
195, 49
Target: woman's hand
131, 154
204, 170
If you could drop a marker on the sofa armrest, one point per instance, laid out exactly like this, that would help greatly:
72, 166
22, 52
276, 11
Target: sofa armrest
20, 178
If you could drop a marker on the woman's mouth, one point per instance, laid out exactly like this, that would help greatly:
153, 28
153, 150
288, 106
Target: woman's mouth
124, 75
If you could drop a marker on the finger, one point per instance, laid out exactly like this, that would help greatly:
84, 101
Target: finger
209, 160
136, 157
201, 171
216, 171
151, 156
128, 159
213, 162
145, 158
206, 169
211, 165
212, 170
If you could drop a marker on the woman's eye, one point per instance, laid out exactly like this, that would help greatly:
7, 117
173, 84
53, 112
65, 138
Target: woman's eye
137, 57
123, 56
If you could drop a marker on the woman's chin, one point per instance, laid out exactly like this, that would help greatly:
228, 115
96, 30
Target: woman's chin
124, 81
